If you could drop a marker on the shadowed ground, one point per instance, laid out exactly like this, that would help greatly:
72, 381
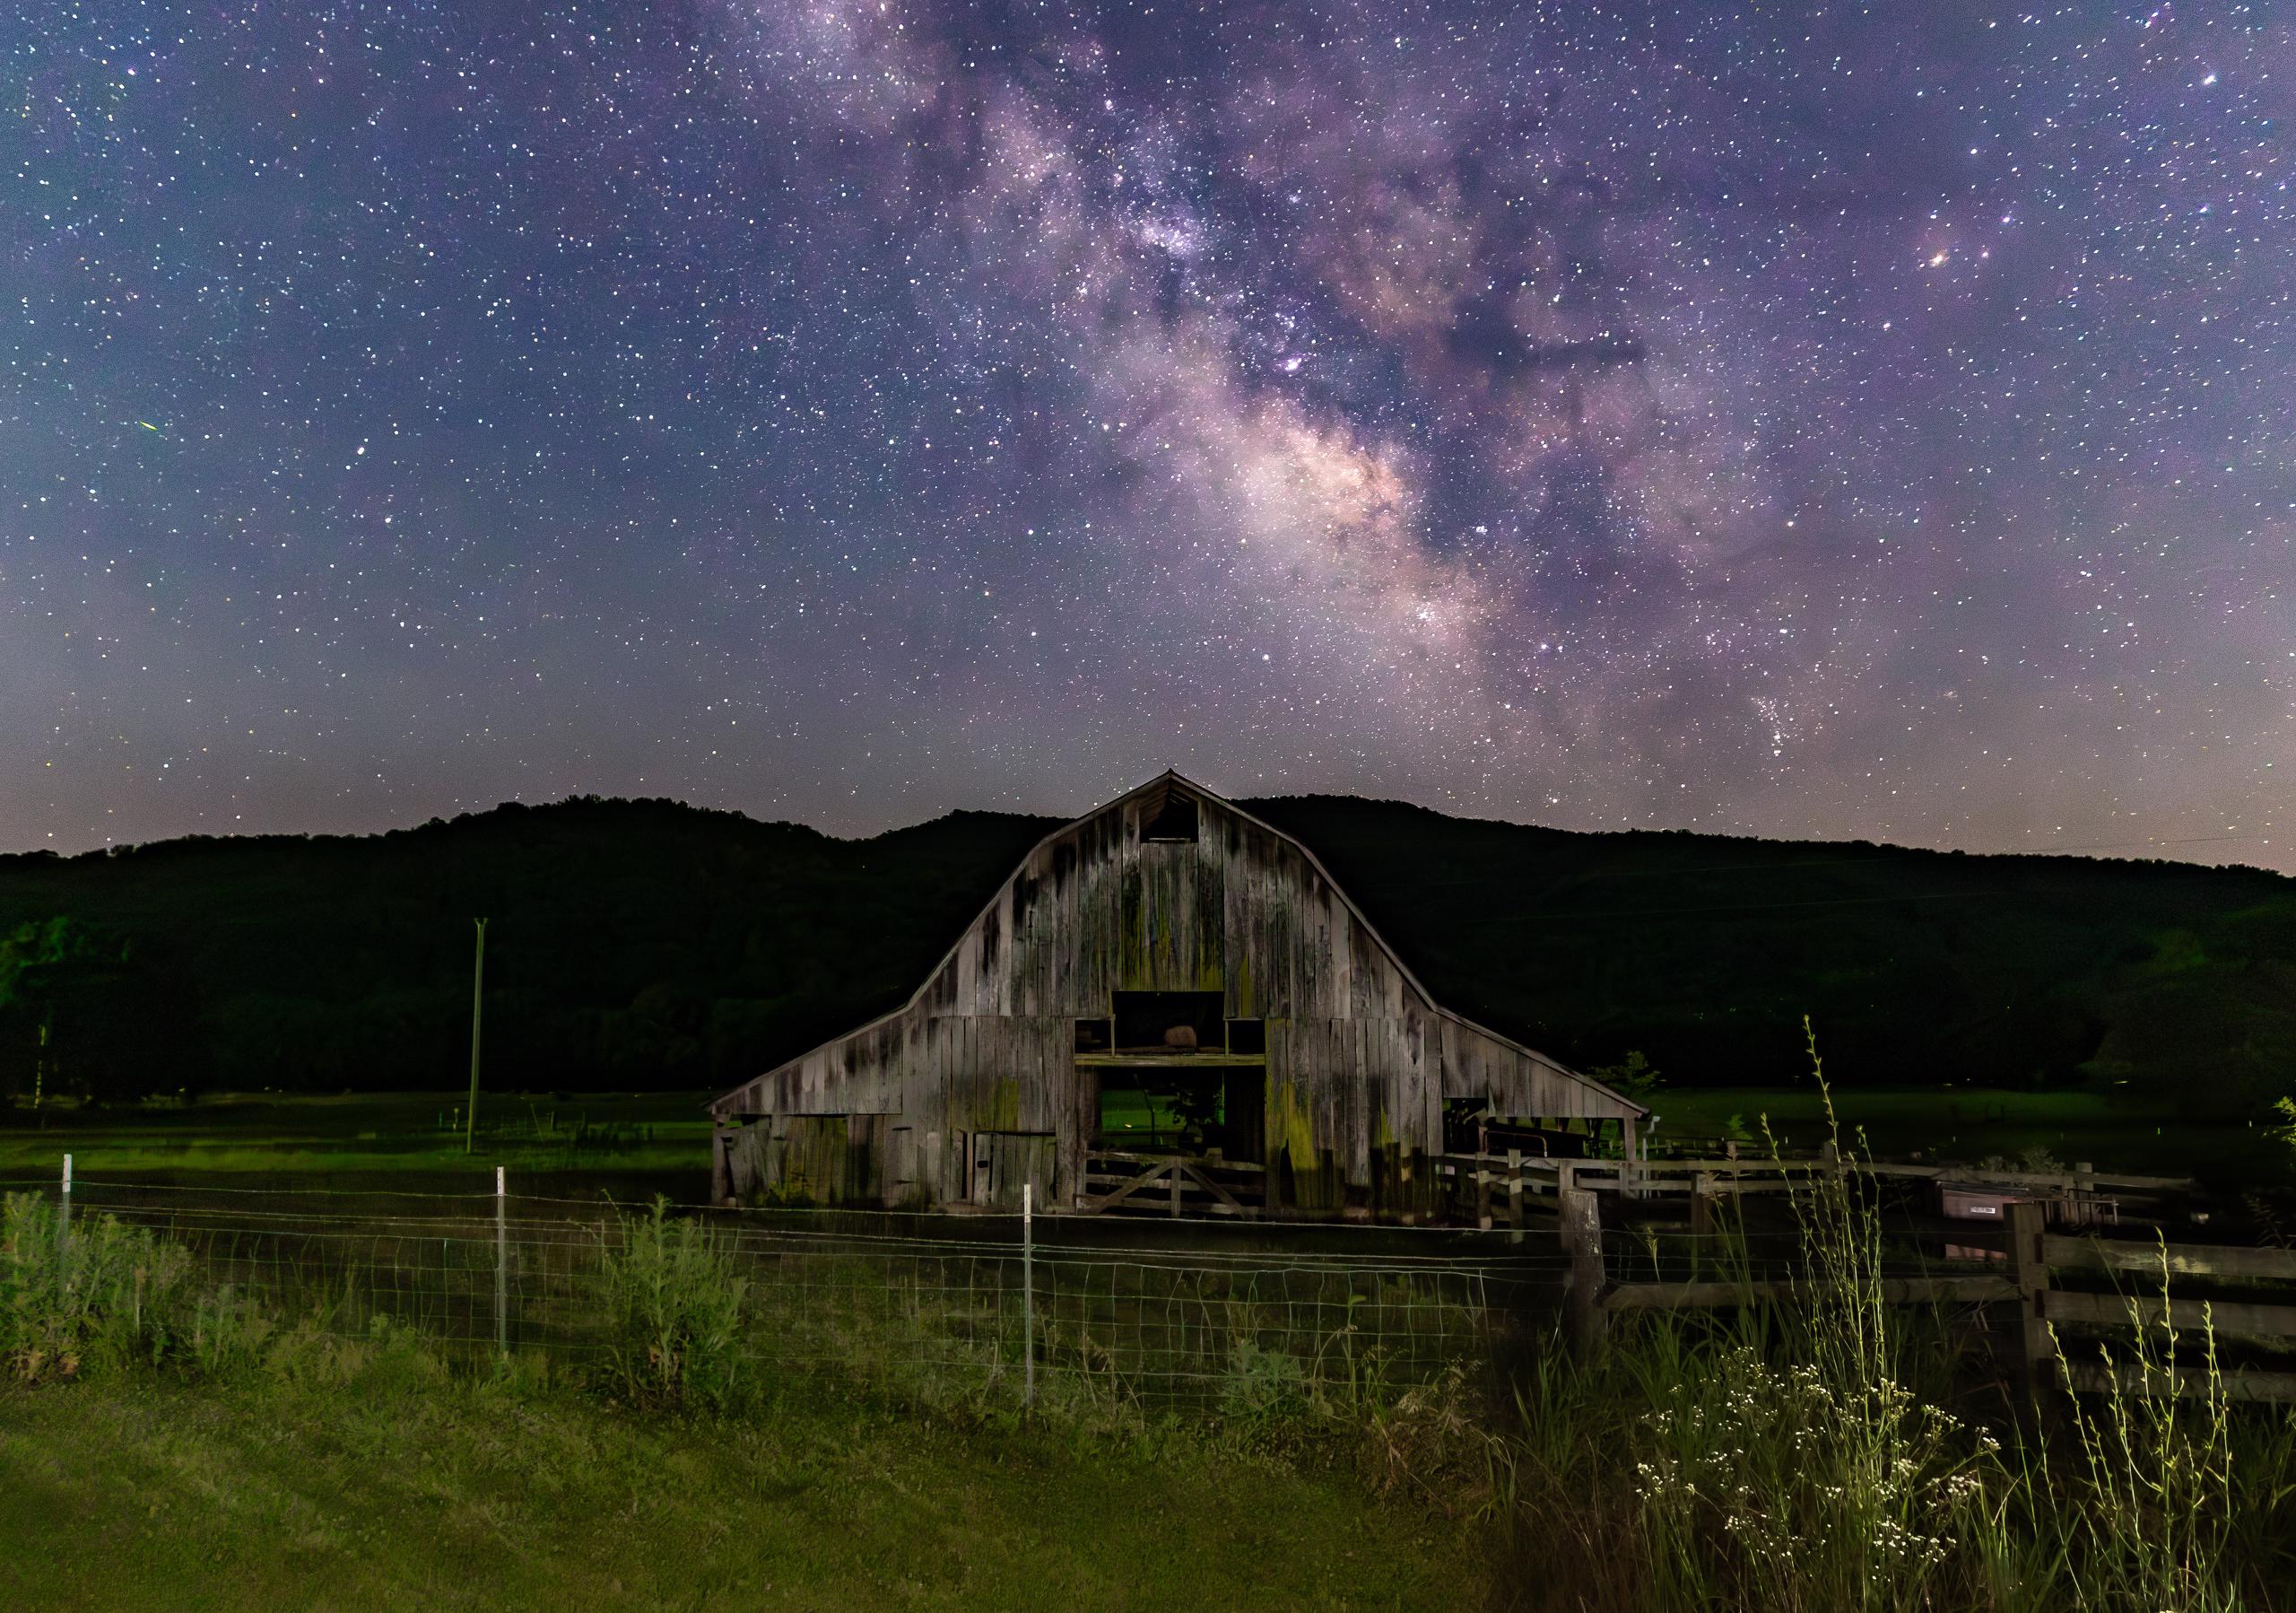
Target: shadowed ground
425, 1494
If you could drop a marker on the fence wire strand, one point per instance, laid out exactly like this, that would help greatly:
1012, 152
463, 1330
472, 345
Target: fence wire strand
1147, 1321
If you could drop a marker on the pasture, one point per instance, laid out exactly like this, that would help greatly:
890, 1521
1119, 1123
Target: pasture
1968, 1124
632, 1146
706, 1412
400, 1486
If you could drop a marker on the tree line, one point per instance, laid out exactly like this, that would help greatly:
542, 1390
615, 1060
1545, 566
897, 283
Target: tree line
647, 945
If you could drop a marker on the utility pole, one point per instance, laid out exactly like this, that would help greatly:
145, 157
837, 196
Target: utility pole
477, 1001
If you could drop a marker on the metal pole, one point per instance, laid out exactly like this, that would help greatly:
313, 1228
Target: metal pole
64, 1210
501, 1271
1028, 1294
477, 999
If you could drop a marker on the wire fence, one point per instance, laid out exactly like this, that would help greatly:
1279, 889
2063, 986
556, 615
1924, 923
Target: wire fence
1153, 1314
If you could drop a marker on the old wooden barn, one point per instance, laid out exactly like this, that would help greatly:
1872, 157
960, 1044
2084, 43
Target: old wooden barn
1166, 995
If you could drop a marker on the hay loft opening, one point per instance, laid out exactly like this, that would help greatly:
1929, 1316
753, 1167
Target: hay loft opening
1173, 822
1171, 1022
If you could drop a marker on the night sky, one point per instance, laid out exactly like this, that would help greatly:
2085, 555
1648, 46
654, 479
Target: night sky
1840, 422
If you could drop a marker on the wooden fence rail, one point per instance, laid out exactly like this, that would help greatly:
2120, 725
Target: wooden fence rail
1496, 1189
1173, 1183
2035, 1257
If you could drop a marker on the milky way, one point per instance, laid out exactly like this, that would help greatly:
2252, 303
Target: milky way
1866, 423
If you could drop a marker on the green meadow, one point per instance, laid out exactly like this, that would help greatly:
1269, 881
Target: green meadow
400, 1486
1968, 1124
169, 1438
634, 1144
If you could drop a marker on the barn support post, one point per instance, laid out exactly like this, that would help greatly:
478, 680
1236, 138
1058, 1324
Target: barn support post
2036, 1349
501, 1266
1582, 1244
1515, 1194
1028, 1294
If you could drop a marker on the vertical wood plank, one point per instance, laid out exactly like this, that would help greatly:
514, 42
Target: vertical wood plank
1582, 1245
2037, 1351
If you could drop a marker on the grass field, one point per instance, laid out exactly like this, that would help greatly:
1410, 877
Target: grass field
405, 1488
173, 1435
636, 1145
1967, 1124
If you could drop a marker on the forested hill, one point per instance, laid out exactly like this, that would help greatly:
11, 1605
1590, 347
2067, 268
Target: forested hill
646, 944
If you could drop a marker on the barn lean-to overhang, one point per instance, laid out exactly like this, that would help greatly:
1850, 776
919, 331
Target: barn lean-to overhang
1591, 1098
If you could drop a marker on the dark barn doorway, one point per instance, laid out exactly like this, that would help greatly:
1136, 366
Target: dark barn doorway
1168, 1107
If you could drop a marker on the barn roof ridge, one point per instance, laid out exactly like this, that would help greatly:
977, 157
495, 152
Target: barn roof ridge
1174, 775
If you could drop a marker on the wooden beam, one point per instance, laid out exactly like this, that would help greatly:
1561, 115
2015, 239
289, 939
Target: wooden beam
2028, 1277
1582, 1242
1718, 1295
1134, 1186
2092, 1378
1215, 1189
1160, 1159
2118, 1309
2183, 1260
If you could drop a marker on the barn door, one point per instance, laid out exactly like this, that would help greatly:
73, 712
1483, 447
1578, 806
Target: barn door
977, 1156
1007, 1160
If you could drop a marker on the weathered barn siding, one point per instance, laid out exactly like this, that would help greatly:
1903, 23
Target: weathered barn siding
1359, 1060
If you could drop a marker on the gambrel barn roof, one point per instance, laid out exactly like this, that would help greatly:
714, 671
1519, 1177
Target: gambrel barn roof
1125, 932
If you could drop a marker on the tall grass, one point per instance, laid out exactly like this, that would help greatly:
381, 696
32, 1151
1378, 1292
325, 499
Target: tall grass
674, 1304
102, 1296
2155, 1475
1793, 1469
1795, 1457
1784, 1459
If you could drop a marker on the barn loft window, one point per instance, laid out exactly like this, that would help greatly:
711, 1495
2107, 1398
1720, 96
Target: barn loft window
1174, 819
1171, 1022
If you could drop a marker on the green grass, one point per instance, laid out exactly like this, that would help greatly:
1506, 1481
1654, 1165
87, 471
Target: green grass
638, 1144
1967, 1124
370, 1137
171, 1438
418, 1491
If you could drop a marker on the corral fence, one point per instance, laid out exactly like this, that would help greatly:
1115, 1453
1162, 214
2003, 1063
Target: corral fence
2083, 1297
1196, 1312
1252, 1318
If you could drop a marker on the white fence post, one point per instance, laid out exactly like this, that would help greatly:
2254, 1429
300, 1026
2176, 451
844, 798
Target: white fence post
63, 1207
501, 1271
1028, 1294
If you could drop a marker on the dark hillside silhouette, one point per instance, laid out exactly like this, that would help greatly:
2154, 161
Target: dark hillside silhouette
1918, 967
639, 945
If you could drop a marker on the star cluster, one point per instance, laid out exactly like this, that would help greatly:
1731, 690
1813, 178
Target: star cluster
1842, 420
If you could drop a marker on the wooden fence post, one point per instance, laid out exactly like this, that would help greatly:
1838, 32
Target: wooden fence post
2027, 1225
1582, 1242
501, 1266
1514, 1193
